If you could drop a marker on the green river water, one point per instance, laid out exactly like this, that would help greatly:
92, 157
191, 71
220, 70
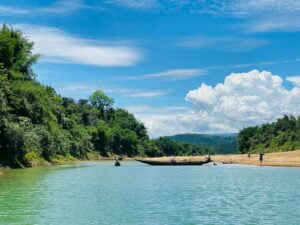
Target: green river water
138, 194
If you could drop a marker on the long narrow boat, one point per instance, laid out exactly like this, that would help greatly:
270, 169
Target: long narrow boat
173, 163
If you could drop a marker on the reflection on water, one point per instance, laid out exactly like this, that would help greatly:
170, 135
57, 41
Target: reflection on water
137, 194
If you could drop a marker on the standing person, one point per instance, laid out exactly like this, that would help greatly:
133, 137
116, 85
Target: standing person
261, 157
173, 161
207, 158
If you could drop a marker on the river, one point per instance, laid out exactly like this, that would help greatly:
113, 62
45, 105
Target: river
137, 194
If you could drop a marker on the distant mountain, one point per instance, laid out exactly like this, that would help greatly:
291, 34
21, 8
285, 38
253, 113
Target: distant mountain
221, 143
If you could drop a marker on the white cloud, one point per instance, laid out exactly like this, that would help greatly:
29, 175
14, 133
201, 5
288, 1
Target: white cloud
268, 24
228, 43
244, 99
146, 94
175, 74
83, 90
60, 7
268, 15
150, 110
294, 79
257, 15
59, 47
250, 8
245, 65
77, 88
166, 120
5, 10
166, 125
261, 7
134, 4
136, 93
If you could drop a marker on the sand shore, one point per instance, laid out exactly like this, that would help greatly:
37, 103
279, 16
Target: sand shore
290, 159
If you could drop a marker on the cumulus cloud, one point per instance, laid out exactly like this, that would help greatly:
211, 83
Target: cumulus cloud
57, 46
166, 120
243, 99
294, 79
178, 121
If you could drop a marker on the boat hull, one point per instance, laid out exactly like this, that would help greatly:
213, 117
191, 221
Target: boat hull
176, 163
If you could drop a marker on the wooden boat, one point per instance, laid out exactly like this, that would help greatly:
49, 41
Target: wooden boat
173, 162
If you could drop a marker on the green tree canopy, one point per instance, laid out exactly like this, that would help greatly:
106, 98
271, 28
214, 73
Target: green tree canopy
16, 57
282, 135
101, 100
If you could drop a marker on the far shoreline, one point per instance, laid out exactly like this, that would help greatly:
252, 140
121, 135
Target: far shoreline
279, 159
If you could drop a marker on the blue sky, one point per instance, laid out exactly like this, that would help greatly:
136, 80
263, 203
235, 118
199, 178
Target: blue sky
170, 62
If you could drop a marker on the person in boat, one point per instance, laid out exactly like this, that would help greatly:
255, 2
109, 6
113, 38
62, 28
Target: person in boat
117, 163
261, 157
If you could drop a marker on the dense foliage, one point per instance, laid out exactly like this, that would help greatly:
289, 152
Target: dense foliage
218, 143
16, 57
36, 124
282, 135
167, 147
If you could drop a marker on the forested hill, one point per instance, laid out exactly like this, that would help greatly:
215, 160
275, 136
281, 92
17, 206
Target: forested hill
219, 143
282, 135
39, 126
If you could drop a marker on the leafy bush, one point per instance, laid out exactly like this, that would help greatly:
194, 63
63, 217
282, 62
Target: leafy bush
282, 135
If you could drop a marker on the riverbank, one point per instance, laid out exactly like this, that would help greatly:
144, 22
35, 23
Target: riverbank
34, 161
289, 159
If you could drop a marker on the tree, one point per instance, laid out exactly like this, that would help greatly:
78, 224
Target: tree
102, 102
245, 137
101, 138
16, 57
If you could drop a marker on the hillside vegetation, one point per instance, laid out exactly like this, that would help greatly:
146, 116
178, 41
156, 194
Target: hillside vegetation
39, 126
282, 135
218, 144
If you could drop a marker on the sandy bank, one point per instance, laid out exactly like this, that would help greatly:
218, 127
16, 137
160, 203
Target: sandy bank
291, 159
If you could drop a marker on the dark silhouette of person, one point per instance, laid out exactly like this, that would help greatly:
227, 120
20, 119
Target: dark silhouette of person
173, 161
261, 157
